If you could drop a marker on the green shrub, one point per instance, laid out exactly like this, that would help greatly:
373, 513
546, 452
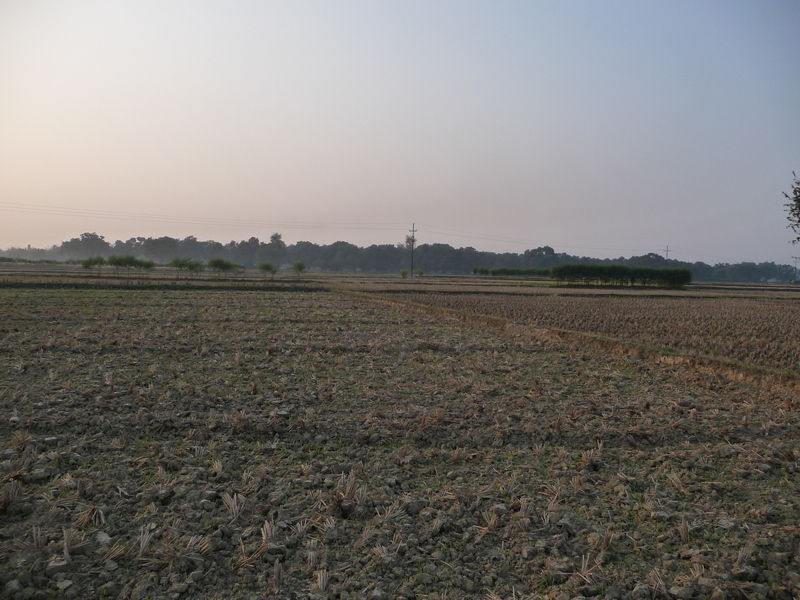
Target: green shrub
92, 262
223, 265
268, 267
621, 275
193, 265
509, 272
128, 261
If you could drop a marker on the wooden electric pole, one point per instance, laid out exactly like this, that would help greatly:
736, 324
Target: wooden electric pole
412, 241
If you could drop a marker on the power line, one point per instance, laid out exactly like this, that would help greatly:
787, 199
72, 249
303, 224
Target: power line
537, 243
529, 243
41, 209
312, 225
189, 220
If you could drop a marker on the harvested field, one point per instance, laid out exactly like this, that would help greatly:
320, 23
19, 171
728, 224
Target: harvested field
761, 331
249, 444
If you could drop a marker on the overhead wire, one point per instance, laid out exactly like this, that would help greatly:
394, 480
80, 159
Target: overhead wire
226, 221
315, 225
529, 243
193, 220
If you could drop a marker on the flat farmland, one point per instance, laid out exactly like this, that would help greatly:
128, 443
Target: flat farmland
256, 444
760, 331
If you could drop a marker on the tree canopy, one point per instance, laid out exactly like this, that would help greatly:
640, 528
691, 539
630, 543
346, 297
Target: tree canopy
793, 208
433, 258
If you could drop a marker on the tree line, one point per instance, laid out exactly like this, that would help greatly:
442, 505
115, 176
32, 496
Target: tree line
508, 272
621, 275
377, 258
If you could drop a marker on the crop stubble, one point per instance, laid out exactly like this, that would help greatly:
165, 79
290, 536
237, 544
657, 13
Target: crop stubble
750, 331
244, 444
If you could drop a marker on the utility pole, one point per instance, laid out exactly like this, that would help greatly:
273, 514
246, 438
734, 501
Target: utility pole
796, 258
412, 240
667, 251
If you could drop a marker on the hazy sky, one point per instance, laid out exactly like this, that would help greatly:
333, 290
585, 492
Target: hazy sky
601, 128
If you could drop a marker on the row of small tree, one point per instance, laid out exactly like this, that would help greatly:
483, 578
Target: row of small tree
298, 267
190, 265
385, 258
621, 275
118, 262
602, 274
508, 272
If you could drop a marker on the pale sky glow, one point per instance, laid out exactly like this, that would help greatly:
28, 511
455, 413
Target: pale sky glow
599, 128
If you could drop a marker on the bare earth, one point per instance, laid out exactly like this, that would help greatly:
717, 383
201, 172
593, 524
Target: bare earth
251, 444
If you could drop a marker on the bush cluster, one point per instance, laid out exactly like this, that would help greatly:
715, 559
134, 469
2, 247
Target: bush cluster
193, 265
29, 261
509, 272
223, 265
267, 268
118, 262
621, 275
129, 261
92, 262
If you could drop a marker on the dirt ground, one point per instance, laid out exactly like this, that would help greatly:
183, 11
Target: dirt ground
250, 444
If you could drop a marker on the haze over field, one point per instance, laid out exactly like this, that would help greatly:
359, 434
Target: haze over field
600, 129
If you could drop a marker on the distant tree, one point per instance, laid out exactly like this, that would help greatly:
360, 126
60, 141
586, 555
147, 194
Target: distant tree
118, 262
403, 273
543, 257
391, 258
384, 258
439, 258
339, 256
223, 265
276, 241
214, 249
793, 208
274, 251
193, 265
92, 262
299, 267
192, 248
89, 244
268, 267
129, 261
245, 251
160, 249
411, 240
305, 252
132, 247
420, 272
651, 259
